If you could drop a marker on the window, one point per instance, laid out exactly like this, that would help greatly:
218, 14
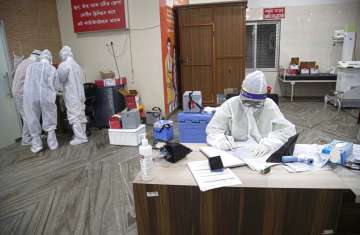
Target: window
262, 45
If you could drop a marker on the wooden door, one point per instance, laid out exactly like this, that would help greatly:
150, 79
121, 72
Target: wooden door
230, 46
197, 53
212, 45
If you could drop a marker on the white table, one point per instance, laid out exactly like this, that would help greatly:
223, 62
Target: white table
305, 78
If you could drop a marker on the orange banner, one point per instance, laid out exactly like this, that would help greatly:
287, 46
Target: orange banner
168, 54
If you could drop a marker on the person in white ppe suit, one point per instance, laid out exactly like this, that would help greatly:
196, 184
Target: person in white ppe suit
250, 117
18, 92
72, 78
39, 101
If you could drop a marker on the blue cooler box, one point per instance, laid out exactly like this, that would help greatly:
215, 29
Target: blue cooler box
163, 130
192, 127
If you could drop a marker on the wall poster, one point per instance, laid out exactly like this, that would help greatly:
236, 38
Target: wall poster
98, 15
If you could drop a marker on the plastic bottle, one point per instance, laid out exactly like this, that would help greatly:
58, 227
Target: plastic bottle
146, 160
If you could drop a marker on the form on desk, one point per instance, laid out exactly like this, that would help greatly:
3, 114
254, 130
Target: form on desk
208, 179
227, 159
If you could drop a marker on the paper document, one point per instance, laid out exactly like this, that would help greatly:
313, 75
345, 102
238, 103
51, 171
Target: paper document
247, 154
207, 179
227, 159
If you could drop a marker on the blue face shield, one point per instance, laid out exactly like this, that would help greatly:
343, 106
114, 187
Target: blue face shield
254, 100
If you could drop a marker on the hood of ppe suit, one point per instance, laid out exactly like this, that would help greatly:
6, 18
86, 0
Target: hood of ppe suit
254, 87
65, 52
36, 55
46, 54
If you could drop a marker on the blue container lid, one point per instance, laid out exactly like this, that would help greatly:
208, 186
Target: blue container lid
326, 150
182, 117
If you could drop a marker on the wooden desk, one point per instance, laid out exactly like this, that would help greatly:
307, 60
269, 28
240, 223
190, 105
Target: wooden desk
276, 203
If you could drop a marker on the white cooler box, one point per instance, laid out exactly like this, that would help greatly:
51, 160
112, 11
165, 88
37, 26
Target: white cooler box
131, 137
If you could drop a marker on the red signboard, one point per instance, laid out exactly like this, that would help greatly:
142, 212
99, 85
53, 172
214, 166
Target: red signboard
98, 15
274, 13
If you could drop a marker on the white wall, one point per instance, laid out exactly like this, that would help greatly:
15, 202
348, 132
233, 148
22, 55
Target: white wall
90, 51
306, 32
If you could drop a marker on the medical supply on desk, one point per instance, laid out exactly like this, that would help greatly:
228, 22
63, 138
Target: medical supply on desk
176, 152
192, 127
146, 159
303, 159
163, 130
130, 119
128, 137
340, 152
325, 152
192, 102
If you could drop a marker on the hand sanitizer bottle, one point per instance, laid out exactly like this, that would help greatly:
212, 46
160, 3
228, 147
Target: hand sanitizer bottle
146, 160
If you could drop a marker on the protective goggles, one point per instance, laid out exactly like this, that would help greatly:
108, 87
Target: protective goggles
253, 100
253, 103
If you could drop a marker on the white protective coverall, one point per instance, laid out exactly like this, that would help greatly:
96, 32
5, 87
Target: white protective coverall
39, 100
18, 92
234, 122
72, 77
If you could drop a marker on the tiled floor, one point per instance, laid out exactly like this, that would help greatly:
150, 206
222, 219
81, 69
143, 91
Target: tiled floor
87, 189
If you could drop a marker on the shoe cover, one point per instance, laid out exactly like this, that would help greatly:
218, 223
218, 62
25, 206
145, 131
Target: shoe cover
79, 134
77, 141
52, 141
25, 142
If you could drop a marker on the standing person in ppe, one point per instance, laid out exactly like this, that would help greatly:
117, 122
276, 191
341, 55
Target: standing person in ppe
18, 92
72, 78
39, 101
250, 117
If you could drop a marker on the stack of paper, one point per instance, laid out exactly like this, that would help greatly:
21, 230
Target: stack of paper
207, 179
247, 154
227, 159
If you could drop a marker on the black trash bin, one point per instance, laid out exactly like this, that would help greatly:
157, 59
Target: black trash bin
108, 101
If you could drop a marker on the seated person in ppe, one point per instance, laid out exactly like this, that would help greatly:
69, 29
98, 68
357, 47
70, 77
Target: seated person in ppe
250, 117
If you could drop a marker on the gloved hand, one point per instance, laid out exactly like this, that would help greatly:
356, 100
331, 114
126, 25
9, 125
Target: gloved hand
224, 145
261, 150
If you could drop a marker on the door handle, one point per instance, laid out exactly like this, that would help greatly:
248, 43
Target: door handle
6, 77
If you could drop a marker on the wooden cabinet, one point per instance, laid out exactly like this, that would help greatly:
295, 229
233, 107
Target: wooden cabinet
212, 47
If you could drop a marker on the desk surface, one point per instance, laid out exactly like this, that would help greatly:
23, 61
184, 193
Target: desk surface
179, 174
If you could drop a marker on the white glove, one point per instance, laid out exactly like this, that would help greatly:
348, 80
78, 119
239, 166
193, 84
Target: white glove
261, 150
224, 145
